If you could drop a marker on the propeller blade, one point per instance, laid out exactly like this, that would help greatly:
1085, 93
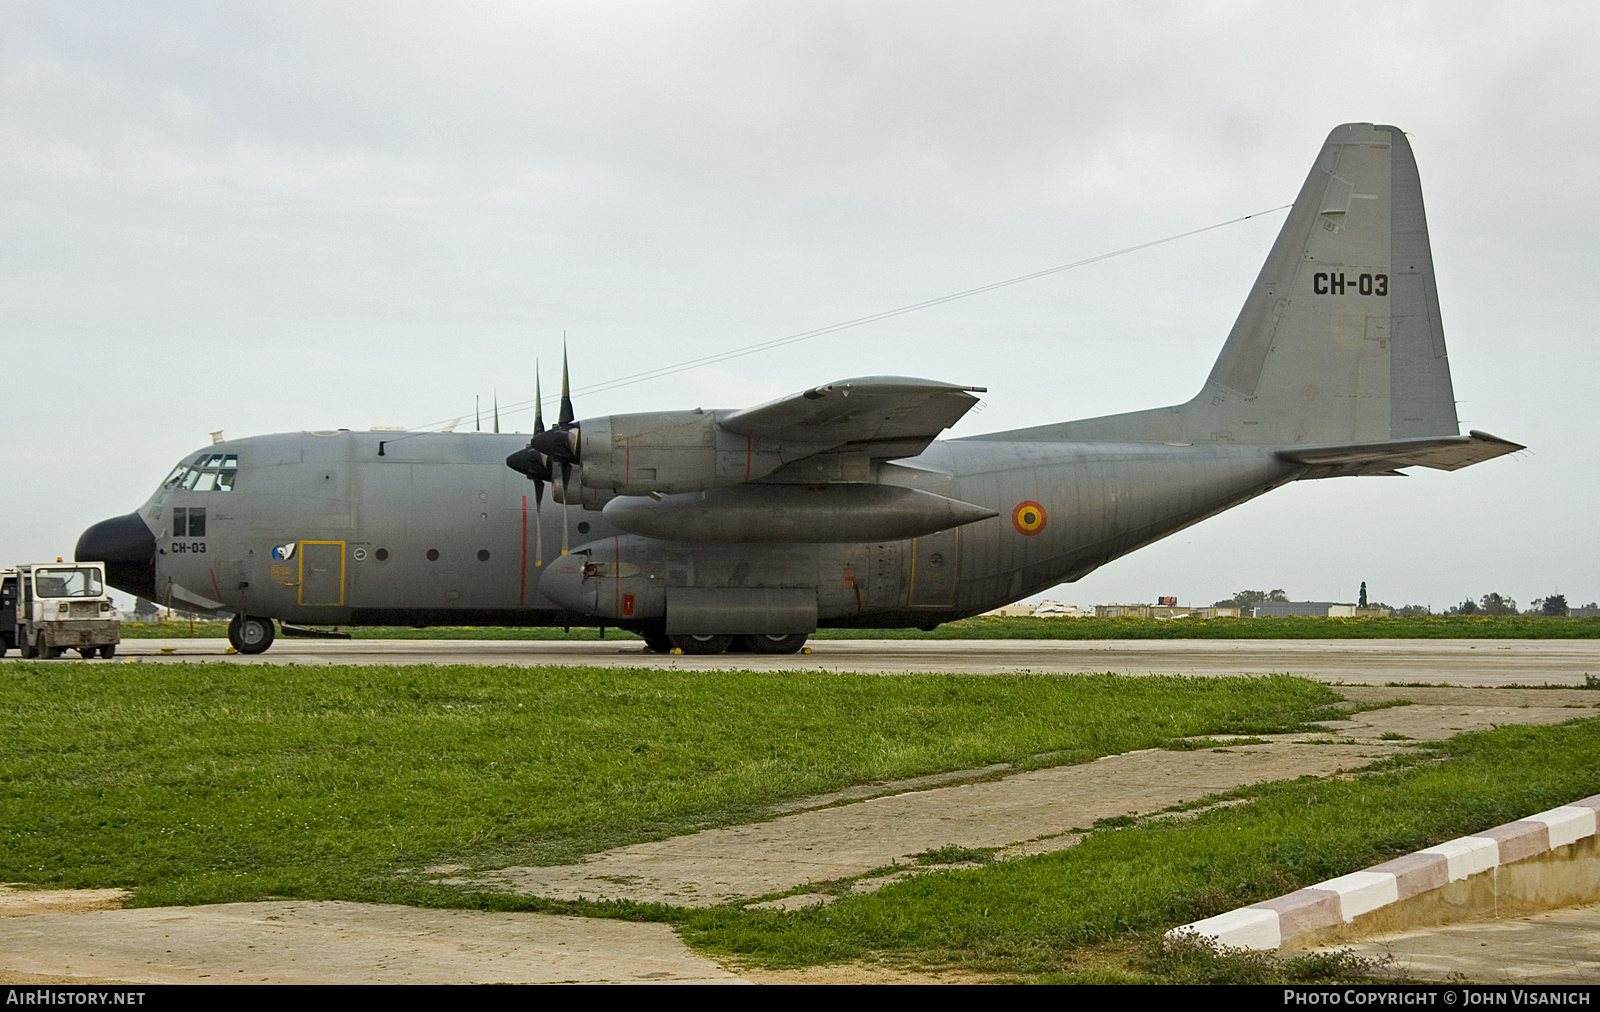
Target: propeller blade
497, 411
538, 523
566, 479
567, 414
538, 401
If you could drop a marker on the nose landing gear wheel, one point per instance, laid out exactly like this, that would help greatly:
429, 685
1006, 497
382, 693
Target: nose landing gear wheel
765, 643
249, 634
701, 644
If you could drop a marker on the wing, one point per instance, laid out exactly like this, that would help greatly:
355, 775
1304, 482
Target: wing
1445, 453
884, 416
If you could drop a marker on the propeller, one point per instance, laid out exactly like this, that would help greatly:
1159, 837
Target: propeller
560, 443
536, 466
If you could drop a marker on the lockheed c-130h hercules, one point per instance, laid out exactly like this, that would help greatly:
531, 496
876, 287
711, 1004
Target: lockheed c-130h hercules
835, 506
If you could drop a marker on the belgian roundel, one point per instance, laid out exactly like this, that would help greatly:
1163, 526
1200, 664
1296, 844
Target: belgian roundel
1028, 518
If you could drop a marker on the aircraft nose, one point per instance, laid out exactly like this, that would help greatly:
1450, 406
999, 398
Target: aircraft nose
127, 548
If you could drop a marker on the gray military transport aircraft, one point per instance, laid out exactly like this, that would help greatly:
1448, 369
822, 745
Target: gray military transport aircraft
835, 506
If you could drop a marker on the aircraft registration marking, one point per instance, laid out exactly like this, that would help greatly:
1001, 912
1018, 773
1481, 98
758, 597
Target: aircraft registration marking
1325, 283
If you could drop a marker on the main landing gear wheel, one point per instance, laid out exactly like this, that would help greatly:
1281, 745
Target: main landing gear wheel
249, 634
657, 643
765, 643
701, 644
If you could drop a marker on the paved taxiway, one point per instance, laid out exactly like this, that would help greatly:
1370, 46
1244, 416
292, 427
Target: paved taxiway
1357, 662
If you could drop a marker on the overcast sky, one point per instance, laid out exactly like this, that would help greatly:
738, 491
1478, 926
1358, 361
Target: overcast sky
274, 217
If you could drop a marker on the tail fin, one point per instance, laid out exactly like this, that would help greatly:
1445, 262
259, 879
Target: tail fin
1340, 340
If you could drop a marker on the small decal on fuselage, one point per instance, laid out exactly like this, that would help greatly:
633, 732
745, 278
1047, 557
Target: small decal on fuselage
1028, 518
283, 553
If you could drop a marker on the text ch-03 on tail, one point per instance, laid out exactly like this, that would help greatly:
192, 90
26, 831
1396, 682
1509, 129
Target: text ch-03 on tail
836, 506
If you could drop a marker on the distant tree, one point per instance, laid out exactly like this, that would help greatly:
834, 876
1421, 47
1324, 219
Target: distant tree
1496, 604
1361, 602
1467, 607
1555, 604
1412, 611
1251, 598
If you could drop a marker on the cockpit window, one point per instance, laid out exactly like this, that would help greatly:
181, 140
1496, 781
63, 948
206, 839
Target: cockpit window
210, 472
64, 582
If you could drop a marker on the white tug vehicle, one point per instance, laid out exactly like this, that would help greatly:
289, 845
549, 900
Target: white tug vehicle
47, 609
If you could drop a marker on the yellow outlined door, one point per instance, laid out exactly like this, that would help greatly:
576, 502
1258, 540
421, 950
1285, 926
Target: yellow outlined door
322, 573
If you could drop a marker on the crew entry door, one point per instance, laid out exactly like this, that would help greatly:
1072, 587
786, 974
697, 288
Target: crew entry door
322, 573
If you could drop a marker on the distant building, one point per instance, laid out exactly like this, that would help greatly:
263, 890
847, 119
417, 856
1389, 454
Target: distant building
1044, 609
1317, 609
1160, 612
1055, 609
1011, 611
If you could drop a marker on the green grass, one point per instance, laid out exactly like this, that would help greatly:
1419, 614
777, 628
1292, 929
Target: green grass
218, 782
1028, 628
1124, 885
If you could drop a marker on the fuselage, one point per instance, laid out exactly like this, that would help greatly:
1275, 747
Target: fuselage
320, 528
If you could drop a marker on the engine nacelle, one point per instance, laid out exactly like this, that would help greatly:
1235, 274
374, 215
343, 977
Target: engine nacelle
673, 451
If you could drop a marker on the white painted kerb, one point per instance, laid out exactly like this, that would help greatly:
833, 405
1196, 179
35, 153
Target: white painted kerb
1467, 855
1362, 891
1245, 928
1567, 824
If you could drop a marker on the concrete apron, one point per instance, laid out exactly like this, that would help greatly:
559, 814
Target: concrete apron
1546, 861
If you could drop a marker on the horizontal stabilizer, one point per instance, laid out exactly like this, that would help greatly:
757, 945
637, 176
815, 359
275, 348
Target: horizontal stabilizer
1444, 453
